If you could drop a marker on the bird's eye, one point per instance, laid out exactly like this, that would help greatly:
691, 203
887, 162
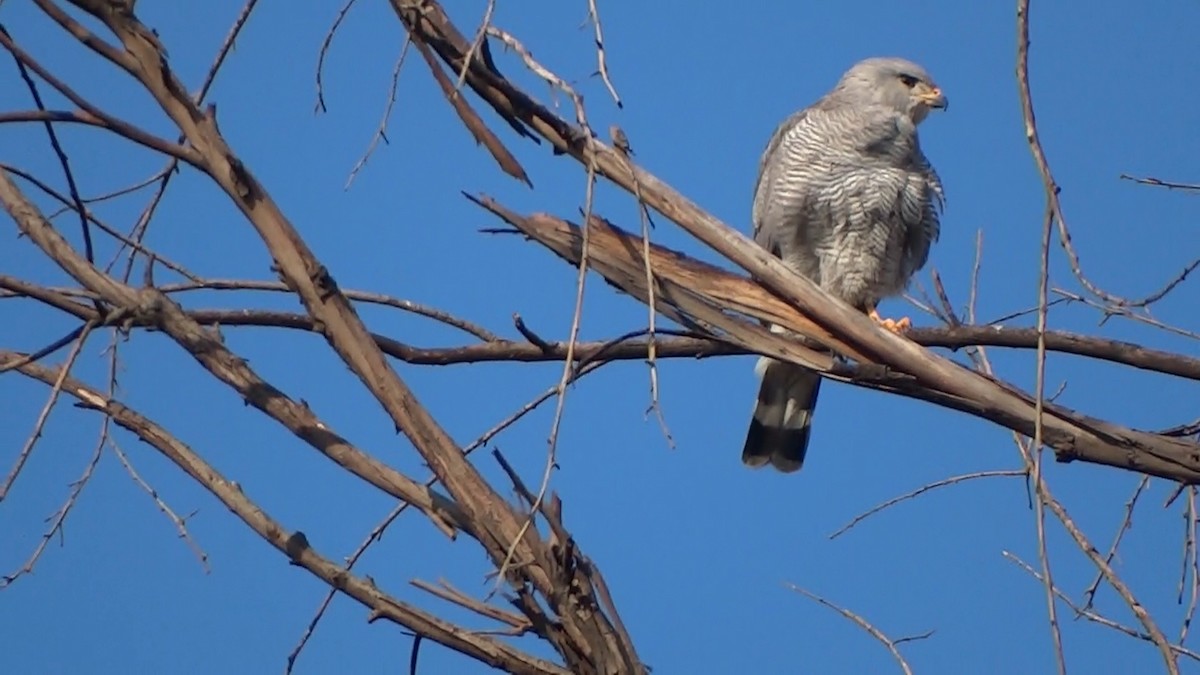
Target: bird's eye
908, 80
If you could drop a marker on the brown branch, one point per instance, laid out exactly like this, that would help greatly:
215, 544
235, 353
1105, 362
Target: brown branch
472, 121
698, 347
588, 641
451, 594
377, 533
1073, 437
154, 308
114, 125
697, 289
293, 543
677, 347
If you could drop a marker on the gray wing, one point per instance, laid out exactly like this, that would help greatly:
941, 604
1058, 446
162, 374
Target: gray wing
924, 223
768, 165
782, 419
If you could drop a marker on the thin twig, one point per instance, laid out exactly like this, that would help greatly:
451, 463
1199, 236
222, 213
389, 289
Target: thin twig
381, 131
1093, 616
580, 282
1052, 212
142, 226
449, 593
601, 61
922, 490
553, 80
359, 296
973, 294
180, 522
561, 394
1170, 185
375, 535
100, 224
1089, 595
111, 194
1191, 562
40, 424
59, 153
1110, 311
476, 42
865, 625
1053, 204
42, 353
324, 51
59, 516
529, 334
621, 143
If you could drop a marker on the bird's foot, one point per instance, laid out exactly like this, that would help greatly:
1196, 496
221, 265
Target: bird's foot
897, 326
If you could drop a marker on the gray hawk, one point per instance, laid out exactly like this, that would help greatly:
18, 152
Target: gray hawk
845, 197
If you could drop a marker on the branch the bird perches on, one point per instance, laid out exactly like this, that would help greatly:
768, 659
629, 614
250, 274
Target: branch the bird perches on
729, 308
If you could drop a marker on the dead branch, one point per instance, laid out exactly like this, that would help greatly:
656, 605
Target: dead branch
1158, 182
588, 641
1072, 436
865, 625
693, 289
557, 590
920, 491
495, 348
293, 544
1093, 616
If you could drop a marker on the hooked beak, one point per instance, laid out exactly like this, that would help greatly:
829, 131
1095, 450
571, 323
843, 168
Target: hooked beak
933, 97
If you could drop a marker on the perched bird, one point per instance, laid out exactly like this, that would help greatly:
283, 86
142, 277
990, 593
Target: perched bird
845, 197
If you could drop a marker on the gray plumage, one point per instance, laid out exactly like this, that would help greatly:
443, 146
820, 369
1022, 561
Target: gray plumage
845, 197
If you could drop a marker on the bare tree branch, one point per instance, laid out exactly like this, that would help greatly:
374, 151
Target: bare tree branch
294, 544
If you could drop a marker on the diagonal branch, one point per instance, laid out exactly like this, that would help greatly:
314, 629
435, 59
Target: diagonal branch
153, 308
588, 641
692, 288
294, 544
1072, 436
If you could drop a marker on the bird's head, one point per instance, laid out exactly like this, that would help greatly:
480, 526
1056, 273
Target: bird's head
896, 83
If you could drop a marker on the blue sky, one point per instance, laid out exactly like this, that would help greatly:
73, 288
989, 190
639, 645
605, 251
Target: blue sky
697, 549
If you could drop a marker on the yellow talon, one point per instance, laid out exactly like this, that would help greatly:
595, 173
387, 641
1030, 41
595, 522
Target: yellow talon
896, 326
